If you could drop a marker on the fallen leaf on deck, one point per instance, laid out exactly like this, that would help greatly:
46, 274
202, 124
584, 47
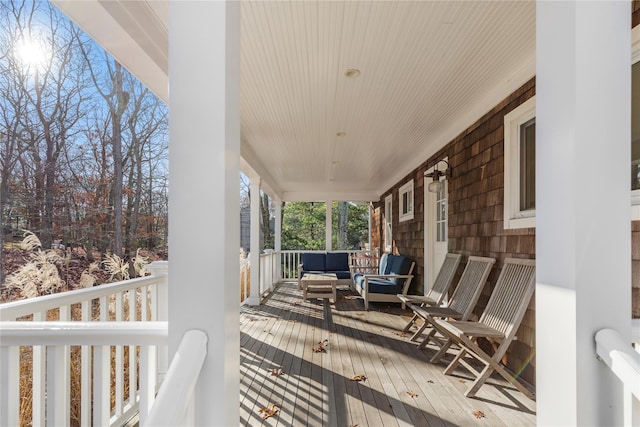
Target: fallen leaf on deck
478, 414
412, 394
269, 411
292, 320
320, 348
430, 381
276, 372
462, 381
384, 360
358, 378
401, 334
359, 314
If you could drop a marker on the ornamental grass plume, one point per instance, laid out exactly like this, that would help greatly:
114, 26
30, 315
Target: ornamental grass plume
40, 275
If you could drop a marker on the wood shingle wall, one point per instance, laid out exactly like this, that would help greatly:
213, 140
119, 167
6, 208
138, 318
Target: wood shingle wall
476, 203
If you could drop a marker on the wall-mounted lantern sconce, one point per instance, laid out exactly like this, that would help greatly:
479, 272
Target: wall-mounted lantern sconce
438, 185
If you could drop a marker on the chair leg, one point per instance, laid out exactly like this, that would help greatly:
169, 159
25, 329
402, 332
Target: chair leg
455, 362
443, 350
425, 341
419, 332
410, 324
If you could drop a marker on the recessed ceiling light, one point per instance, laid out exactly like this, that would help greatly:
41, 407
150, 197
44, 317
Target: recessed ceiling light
352, 73
341, 134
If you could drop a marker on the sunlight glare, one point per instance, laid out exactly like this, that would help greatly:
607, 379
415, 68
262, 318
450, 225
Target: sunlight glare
31, 53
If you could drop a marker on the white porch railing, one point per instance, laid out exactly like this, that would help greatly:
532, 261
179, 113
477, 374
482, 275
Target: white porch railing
110, 369
269, 271
624, 362
174, 403
291, 259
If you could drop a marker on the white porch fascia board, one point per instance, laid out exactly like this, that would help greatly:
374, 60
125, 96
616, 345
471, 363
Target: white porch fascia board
265, 185
466, 119
132, 52
251, 165
321, 196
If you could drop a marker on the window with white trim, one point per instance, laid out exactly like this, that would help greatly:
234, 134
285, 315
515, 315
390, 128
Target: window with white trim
520, 166
388, 220
405, 205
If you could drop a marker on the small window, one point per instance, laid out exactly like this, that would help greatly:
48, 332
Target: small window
388, 221
406, 202
520, 166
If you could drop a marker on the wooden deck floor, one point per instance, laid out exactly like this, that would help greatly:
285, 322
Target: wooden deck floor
315, 388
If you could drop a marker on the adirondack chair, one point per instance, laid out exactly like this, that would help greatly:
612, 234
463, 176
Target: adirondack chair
498, 323
462, 301
436, 294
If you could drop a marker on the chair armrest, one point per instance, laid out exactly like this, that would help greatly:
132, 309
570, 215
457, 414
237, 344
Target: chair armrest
387, 276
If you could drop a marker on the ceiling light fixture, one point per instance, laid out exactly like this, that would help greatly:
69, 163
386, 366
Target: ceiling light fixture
437, 185
352, 73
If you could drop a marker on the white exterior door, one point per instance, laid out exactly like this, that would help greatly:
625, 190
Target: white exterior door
435, 237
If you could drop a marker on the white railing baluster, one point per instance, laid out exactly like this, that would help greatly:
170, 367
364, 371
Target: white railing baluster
144, 303
147, 380
38, 370
85, 371
62, 391
133, 307
119, 362
102, 374
10, 397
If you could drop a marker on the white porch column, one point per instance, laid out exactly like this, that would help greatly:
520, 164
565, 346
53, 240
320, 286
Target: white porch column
277, 244
328, 227
204, 52
254, 252
583, 231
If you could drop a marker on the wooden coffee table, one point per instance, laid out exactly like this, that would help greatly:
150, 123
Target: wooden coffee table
319, 286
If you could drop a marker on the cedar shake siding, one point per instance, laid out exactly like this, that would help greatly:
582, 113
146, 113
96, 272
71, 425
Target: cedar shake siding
475, 217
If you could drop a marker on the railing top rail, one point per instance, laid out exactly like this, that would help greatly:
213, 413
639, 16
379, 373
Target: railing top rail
16, 309
83, 333
178, 386
620, 357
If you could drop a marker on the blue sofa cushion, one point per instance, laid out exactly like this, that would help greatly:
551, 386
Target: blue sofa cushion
312, 262
384, 265
401, 265
337, 261
384, 286
341, 274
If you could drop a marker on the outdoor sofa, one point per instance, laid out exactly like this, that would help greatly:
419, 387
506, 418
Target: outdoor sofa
382, 284
321, 263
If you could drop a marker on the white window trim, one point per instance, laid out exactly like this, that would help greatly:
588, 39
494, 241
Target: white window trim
388, 218
406, 188
513, 216
635, 57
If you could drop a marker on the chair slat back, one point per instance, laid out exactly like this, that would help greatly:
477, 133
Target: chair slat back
444, 278
511, 296
470, 286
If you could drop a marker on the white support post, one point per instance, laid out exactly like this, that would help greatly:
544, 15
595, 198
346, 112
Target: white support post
254, 252
161, 309
204, 210
328, 229
278, 237
582, 209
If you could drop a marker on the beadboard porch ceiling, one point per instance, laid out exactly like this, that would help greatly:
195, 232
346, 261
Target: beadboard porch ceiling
428, 70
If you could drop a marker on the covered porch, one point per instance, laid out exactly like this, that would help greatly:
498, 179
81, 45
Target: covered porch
584, 269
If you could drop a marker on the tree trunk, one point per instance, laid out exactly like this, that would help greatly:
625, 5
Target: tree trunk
343, 222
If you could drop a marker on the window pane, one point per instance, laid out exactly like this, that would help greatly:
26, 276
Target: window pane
635, 126
528, 165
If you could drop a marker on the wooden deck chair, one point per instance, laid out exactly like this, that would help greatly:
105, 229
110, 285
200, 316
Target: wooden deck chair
436, 294
498, 323
462, 302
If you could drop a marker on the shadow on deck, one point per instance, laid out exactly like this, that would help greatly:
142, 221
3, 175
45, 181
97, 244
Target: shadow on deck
302, 357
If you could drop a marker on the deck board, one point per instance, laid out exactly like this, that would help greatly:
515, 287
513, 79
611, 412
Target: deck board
402, 388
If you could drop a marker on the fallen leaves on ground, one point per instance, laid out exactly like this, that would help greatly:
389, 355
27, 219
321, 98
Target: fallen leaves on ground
462, 381
412, 394
359, 377
401, 334
320, 348
270, 411
430, 381
276, 372
478, 414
